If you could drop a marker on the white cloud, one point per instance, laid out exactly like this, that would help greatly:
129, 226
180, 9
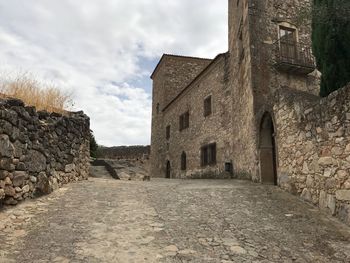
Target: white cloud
85, 46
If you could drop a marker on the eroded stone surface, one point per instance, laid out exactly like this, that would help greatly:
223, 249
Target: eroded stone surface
107, 220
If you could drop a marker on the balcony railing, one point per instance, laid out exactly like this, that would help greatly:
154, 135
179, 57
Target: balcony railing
295, 58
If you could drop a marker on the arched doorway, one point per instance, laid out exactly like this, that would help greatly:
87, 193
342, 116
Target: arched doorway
168, 170
267, 151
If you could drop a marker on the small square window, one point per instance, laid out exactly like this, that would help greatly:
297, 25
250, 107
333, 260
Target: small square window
207, 106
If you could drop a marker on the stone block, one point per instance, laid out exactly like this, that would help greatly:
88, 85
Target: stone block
10, 201
306, 195
330, 183
26, 189
309, 181
6, 147
33, 179
331, 203
344, 213
3, 174
343, 195
9, 190
337, 151
54, 183
36, 161
347, 184
324, 161
8, 181
2, 194
6, 164
341, 174
21, 166
19, 178
69, 168
43, 185
323, 200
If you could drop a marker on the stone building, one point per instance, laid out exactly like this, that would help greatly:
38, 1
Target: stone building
254, 111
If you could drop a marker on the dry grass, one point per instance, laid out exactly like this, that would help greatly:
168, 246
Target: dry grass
35, 93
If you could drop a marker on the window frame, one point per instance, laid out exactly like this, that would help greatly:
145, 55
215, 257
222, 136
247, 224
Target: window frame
167, 132
208, 154
208, 106
183, 161
184, 121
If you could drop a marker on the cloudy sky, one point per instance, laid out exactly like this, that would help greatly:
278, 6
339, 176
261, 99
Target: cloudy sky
103, 52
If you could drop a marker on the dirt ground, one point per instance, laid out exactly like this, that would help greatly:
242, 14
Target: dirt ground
107, 220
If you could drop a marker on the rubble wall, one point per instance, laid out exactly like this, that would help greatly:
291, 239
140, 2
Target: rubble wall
313, 141
40, 151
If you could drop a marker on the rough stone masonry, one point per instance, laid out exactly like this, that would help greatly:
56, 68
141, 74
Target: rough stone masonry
40, 151
254, 111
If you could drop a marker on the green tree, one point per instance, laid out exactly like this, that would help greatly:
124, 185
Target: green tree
93, 145
331, 43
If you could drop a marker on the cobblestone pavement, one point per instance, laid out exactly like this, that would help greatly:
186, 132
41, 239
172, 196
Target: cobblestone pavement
105, 220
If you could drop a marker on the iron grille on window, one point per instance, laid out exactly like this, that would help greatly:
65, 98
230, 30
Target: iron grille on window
292, 56
208, 154
184, 121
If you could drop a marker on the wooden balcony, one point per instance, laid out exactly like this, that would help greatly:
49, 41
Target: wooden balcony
294, 58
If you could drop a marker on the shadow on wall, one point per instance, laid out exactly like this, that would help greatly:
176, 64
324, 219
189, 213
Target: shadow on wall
109, 168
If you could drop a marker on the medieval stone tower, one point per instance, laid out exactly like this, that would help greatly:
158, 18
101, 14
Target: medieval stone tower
268, 51
254, 111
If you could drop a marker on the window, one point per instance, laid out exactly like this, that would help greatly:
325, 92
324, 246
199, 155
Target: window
207, 106
184, 121
208, 154
167, 132
288, 42
228, 167
240, 42
157, 107
183, 161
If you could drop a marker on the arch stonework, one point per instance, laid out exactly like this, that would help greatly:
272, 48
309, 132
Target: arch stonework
168, 170
267, 150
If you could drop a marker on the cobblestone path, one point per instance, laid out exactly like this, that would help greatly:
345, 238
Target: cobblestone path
105, 220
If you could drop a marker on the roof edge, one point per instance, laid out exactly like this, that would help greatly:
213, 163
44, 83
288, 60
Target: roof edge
221, 55
177, 56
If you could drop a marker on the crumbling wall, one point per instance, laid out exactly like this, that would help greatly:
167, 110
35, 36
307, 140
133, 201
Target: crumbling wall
313, 141
40, 151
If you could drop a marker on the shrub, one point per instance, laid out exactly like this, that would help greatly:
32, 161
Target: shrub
330, 42
32, 92
93, 145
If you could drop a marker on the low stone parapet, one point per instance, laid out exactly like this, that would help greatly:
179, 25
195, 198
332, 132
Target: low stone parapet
40, 151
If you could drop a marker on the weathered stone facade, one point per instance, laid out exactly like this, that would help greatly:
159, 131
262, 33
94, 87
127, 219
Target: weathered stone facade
40, 151
313, 139
267, 119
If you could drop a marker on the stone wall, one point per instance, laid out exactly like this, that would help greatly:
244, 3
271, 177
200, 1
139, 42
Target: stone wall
174, 73
215, 128
124, 152
240, 83
40, 151
313, 142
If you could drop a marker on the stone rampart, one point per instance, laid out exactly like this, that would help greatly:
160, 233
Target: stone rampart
124, 152
40, 151
313, 141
